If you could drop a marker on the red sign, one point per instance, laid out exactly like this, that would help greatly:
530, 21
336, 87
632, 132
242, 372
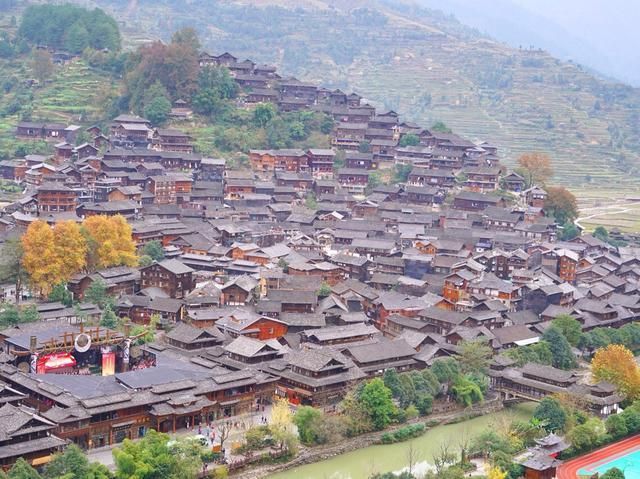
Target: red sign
108, 364
51, 363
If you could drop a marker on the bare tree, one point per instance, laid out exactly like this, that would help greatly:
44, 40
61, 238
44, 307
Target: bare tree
463, 446
443, 457
413, 456
225, 431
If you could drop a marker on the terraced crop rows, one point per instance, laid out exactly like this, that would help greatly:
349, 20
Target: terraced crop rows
72, 96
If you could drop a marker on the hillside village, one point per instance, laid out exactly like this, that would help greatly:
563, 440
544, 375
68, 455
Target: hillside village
298, 276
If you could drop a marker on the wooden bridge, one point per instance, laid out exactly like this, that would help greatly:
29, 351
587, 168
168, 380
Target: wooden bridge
513, 395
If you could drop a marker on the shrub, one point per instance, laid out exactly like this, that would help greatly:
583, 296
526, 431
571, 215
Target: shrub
411, 412
403, 434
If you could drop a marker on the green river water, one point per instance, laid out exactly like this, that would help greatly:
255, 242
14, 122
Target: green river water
360, 464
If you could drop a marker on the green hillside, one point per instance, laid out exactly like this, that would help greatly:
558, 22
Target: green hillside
428, 67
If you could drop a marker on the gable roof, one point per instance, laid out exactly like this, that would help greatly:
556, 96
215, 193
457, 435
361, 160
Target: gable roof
185, 333
174, 266
249, 347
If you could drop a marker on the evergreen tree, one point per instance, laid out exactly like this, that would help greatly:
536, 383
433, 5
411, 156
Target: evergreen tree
562, 355
376, 398
22, 470
154, 249
613, 473
391, 379
109, 318
76, 38
409, 139
569, 327
551, 413
157, 111
96, 293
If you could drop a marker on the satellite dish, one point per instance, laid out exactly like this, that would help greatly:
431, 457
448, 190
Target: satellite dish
82, 343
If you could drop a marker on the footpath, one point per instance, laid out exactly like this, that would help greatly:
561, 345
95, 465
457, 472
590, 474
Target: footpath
239, 424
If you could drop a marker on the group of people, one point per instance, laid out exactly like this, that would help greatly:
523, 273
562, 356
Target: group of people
143, 364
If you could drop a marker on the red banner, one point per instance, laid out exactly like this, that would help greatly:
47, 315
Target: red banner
108, 364
54, 362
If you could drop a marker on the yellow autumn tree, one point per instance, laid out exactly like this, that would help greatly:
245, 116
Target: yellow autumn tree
109, 242
281, 426
616, 364
40, 259
496, 473
70, 247
123, 243
281, 416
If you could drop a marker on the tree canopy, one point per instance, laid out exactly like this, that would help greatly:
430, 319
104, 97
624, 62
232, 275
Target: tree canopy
561, 204
616, 364
569, 327
378, 403
69, 27
154, 250
109, 241
53, 255
410, 139
307, 421
474, 356
613, 473
157, 110
562, 356
154, 456
174, 66
40, 259
551, 413
537, 167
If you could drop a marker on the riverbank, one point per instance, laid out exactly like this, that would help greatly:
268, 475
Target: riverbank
310, 455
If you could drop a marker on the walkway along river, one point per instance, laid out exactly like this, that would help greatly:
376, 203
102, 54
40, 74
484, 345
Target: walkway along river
361, 463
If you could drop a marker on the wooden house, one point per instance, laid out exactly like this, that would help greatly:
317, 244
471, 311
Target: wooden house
535, 196
13, 170
26, 434
169, 139
420, 176
353, 180
261, 95
482, 179
364, 161
119, 280
56, 198
252, 325
514, 182
472, 201
238, 291
279, 160
375, 359
315, 377
348, 135
170, 275
321, 162
40, 130
163, 189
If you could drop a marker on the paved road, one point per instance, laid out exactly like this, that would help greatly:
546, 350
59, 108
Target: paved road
240, 424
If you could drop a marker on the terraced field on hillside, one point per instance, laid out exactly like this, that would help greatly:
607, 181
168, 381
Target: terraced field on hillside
610, 208
550, 120
74, 94
427, 67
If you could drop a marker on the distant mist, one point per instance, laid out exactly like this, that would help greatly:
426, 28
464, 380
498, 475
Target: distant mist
600, 34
